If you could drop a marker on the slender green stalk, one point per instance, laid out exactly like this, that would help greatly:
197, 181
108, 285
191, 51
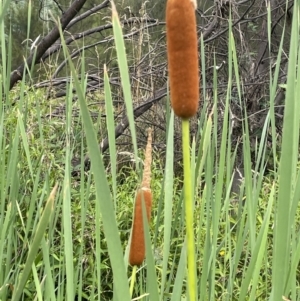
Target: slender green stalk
188, 199
133, 276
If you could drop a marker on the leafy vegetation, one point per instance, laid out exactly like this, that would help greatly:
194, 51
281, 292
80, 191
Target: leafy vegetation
64, 235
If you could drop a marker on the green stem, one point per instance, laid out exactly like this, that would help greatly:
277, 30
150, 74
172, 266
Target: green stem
188, 200
133, 275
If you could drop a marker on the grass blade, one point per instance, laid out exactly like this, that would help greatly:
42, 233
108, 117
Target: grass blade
35, 245
287, 169
123, 66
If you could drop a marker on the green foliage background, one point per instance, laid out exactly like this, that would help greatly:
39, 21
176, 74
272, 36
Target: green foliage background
72, 244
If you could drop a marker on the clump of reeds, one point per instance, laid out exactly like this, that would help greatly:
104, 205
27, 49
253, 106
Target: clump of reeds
184, 88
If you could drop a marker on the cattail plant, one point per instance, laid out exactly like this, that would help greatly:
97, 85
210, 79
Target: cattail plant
137, 246
144, 194
184, 88
182, 57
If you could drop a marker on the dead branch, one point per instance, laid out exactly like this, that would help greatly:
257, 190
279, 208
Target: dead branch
46, 42
124, 123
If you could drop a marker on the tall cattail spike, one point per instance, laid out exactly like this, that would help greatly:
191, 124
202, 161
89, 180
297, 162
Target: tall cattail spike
148, 159
182, 47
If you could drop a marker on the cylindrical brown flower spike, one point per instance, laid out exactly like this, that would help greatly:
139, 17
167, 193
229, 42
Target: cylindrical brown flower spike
137, 246
182, 57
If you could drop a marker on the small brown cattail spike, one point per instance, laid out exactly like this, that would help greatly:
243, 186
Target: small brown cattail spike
182, 57
147, 163
137, 246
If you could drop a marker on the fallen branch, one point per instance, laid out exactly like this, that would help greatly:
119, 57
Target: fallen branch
45, 43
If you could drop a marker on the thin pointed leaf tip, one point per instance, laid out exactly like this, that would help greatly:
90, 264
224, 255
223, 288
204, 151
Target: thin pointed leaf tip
183, 64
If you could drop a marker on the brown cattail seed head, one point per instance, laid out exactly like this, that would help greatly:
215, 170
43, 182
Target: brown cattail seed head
182, 57
137, 246
147, 164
